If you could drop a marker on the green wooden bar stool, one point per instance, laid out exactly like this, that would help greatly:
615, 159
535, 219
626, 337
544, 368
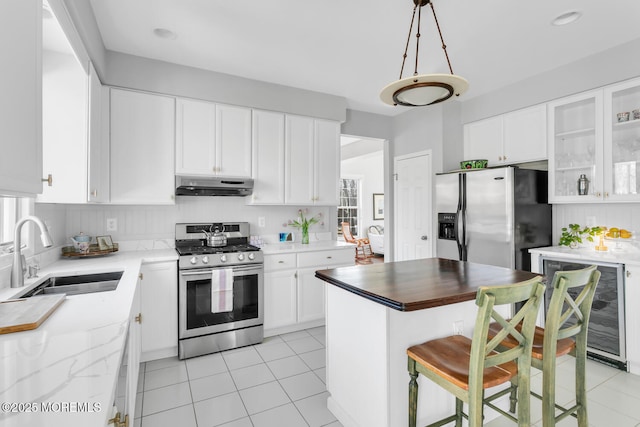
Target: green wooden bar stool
565, 332
466, 367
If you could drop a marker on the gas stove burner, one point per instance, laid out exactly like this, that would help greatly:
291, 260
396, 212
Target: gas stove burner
202, 250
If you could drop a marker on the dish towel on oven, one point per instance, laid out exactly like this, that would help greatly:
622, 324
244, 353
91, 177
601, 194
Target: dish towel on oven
222, 290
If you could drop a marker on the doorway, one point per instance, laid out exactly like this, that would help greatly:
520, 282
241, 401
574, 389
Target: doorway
413, 201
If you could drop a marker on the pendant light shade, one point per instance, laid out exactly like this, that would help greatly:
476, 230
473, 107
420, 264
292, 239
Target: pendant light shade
423, 89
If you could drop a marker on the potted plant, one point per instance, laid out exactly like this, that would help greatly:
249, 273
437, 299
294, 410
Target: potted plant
572, 236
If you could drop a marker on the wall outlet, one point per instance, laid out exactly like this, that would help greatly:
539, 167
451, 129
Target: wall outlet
261, 222
112, 224
458, 327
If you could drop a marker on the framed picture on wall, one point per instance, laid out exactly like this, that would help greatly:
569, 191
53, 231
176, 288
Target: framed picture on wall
104, 243
378, 206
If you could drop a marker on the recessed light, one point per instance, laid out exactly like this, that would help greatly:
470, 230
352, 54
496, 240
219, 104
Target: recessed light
163, 33
567, 18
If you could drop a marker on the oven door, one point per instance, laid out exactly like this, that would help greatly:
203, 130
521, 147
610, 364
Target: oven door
196, 316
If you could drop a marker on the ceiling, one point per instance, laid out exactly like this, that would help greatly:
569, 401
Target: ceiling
353, 48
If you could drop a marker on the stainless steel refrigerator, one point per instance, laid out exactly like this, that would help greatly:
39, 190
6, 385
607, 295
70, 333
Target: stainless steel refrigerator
492, 216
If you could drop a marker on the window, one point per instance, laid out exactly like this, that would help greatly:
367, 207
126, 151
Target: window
348, 204
11, 210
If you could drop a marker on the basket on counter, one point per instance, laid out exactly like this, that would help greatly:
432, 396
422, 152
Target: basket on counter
94, 250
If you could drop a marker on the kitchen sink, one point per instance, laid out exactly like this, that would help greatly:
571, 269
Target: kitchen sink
76, 285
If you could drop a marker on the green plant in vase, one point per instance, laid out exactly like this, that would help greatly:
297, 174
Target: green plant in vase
303, 223
573, 234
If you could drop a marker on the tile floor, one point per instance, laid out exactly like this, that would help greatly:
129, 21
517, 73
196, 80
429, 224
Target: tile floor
281, 383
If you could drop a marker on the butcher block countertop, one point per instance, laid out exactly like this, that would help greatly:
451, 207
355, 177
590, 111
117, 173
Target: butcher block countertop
420, 284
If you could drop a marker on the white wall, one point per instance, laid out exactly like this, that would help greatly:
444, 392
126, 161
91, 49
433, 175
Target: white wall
370, 169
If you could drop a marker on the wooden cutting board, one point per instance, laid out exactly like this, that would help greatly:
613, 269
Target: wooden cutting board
24, 314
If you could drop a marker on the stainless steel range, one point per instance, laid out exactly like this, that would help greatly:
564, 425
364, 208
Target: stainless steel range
221, 288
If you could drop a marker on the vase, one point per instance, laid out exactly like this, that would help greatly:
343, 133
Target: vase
305, 236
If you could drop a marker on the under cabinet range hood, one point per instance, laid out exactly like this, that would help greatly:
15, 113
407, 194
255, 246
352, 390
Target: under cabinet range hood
213, 186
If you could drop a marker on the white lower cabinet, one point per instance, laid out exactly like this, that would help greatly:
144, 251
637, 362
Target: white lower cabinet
632, 324
294, 297
124, 405
159, 308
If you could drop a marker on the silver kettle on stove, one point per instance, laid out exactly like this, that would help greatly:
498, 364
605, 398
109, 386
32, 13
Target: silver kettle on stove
215, 236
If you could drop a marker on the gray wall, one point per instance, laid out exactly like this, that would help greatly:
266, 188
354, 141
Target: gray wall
610, 66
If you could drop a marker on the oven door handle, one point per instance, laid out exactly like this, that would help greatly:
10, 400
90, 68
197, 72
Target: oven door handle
210, 270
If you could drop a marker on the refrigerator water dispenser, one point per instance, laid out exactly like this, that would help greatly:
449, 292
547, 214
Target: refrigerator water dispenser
447, 226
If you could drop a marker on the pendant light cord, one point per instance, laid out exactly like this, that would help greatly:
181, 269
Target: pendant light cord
406, 47
444, 46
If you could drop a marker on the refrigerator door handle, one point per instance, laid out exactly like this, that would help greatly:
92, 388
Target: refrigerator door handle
461, 218
463, 198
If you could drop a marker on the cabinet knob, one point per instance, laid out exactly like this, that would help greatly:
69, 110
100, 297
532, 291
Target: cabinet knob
504, 157
48, 180
598, 194
628, 273
94, 193
280, 262
606, 194
499, 157
138, 318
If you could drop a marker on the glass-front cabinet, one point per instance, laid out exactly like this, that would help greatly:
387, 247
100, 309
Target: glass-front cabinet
575, 148
622, 140
595, 136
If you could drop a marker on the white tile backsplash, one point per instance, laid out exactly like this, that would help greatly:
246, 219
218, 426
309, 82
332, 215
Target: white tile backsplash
154, 226
621, 215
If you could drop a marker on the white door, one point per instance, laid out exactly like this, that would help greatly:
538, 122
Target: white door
413, 189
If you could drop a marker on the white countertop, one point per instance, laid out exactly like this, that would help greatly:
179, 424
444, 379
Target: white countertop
75, 355
630, 255
288, 247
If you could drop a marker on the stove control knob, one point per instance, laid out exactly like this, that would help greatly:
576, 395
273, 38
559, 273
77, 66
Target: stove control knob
193, 260
223, 258
240, 257
251, 256
205, 260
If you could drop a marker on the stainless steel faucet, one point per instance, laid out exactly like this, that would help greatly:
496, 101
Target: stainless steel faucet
17, 272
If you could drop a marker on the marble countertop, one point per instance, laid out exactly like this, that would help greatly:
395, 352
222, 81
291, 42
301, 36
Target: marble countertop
288, 247
73, 358
628, 255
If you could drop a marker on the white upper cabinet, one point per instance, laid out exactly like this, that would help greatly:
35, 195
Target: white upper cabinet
21, 100
212, 139
311, 161
327, 162
525, 135
268, 158
98, 178
233, 141
622, 141
515, 137
65, 115
299, 160
142, 148
575, 147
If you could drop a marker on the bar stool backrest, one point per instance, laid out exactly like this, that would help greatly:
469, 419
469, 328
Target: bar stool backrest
482, 351
566, 316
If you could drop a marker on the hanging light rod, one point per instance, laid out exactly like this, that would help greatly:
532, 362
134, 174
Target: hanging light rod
423, 89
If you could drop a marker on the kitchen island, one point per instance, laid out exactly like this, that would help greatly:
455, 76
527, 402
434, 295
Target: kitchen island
375, 312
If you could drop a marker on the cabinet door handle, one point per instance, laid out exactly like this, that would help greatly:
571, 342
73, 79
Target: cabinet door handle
280, 262
499, 157
94, 193
628, 273
138, 318
329, 257
48, 180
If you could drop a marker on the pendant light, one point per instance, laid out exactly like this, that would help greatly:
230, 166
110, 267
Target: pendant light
423, 89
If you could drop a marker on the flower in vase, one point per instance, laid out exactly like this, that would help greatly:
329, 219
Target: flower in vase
303, 222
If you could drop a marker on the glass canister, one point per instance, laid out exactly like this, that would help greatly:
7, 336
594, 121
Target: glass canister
583, 185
